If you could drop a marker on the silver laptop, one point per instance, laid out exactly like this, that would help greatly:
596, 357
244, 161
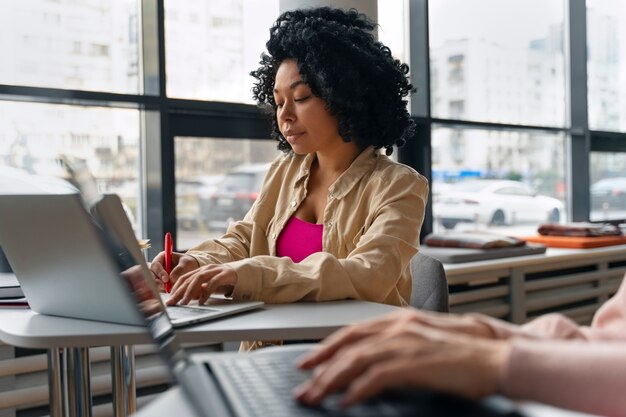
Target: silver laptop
68, 262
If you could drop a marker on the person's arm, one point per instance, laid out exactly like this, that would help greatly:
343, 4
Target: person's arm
402, 350
370, 272
582, 376
609, 323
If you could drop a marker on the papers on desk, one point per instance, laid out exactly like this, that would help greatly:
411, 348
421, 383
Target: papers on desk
9, 287
11, 295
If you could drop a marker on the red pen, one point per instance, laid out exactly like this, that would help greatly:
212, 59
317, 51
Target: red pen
168, 260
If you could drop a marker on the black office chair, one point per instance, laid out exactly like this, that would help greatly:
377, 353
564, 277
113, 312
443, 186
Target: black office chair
430, 287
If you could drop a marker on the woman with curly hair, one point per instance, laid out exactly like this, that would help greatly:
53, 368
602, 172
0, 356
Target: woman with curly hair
335, 218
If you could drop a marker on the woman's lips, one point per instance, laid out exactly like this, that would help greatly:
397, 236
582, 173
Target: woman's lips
293, 136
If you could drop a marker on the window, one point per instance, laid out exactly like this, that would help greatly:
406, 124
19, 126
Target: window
606, 64
506, 181
217, 180
393, 29
608, 186
211, 47
512, 49
78, 44
32, 136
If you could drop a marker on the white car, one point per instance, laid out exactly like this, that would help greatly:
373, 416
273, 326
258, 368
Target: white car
494, 202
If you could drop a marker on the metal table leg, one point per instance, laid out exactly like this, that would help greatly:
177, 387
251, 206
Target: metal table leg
78, 382
123, 380
55, 382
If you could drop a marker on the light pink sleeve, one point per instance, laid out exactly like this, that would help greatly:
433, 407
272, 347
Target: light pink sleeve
578, 375
608, 323
555, 361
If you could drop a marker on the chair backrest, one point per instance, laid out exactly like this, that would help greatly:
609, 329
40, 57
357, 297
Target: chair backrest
430, 287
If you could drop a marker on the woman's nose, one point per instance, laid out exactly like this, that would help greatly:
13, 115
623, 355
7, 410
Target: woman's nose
286, 112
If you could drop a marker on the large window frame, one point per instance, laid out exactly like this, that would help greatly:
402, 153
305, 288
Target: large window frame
165, 118
580, 140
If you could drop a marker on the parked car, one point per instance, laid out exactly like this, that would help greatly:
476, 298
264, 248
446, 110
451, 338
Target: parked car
233, 196
609, 193
494, 202
189, 193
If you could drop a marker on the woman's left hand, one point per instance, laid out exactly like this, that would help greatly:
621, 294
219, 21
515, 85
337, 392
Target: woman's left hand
408, 355
200, 283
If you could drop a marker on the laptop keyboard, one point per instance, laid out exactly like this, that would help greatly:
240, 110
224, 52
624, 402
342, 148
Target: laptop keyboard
273, 396
182, 312
262, 386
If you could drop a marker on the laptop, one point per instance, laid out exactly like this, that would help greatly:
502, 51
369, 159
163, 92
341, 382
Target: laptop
68, 261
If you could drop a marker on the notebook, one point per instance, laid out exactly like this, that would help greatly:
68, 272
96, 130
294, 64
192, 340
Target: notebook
68, 262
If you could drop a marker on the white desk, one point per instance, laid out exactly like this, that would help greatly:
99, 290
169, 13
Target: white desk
24, 328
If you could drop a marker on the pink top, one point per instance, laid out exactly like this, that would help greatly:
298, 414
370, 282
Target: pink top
299, 239
567, 365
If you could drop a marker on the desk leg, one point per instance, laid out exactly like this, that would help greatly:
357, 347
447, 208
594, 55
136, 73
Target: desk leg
78, 382
123, 380
55, 381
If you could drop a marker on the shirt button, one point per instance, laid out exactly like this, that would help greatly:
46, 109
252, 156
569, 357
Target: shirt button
331, 195
329, 224
293, 203
273, 235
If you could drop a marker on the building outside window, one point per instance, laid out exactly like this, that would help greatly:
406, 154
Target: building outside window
508, 70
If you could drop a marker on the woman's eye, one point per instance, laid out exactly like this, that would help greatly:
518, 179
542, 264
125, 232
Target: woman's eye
300, 100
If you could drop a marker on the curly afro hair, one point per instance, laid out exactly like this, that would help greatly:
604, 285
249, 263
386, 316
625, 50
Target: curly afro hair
342, 63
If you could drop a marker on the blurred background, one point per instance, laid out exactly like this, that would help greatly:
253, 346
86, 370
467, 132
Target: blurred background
155, 97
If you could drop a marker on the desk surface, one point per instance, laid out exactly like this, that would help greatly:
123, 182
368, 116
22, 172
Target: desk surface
24, 328
552, 255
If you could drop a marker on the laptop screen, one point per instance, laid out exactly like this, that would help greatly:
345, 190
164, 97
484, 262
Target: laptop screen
135, 273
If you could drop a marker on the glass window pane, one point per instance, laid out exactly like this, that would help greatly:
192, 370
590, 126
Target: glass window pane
498, 61
606, 64
217, 180
73, 44
504, 181
393, 29
33, 135
608, 186
211, 46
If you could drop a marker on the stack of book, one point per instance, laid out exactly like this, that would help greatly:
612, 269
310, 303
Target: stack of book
11, 295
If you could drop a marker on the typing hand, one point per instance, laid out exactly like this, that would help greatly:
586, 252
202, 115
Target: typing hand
405, 354
466, 324
201, 282
181, 265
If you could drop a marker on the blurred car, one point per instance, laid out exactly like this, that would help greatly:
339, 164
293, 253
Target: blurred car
609, 193
189, 193
233, 196
494, 202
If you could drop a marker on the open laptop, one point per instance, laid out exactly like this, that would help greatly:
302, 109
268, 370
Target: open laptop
68, 261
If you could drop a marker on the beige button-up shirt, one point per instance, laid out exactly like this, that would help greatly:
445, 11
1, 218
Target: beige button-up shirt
372, 222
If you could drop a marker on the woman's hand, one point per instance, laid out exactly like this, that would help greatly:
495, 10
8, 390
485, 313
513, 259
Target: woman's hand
200, 283
398, 351
181, 265
348, 335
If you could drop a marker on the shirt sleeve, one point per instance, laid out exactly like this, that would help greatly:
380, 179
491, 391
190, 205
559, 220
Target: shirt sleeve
370, 272
609, 323
578, 375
